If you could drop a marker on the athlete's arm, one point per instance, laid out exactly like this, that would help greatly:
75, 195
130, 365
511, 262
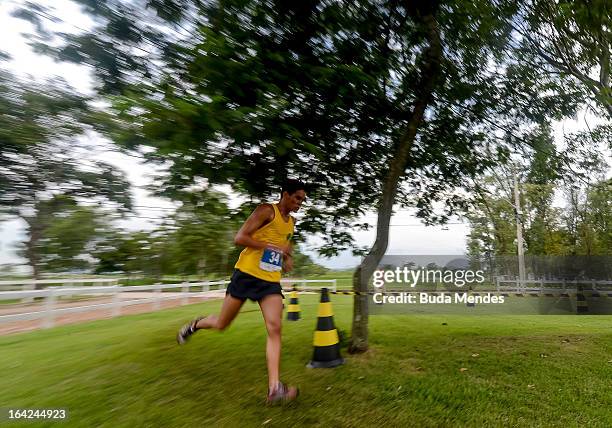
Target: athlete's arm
263, 214
288, 256
287, 262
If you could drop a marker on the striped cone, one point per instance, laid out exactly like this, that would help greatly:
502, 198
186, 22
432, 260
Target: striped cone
293, 310
326, 342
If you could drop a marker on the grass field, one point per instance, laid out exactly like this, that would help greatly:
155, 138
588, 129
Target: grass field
421, 370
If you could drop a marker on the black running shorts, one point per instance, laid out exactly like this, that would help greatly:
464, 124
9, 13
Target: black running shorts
244, 286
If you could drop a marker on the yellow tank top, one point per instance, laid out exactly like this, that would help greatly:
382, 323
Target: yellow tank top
266, 264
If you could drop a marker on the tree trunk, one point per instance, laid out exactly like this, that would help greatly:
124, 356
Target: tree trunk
430, 71
31, 251
37, 223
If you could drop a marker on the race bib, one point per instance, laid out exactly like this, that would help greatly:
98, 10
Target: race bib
271, 260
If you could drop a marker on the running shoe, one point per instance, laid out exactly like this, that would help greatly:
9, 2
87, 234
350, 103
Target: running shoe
186, 331
282, 393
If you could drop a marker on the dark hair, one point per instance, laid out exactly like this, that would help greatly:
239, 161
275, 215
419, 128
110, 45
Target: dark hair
291, 186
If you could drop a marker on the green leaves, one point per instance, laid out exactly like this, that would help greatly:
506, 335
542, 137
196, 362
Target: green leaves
41, 181
64, 243
248, 92
571, 39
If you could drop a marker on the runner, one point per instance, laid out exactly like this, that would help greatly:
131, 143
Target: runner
267, 237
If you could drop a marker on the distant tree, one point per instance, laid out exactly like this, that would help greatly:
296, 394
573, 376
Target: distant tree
588, 219
543, 173
39, 176
304, 266
31, 114
131, 252
203, 238
68, 236
600, 215
492, 221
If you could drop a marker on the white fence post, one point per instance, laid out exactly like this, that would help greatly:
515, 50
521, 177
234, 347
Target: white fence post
49, 309
117, 302
30, 286
157, 295
335, 285
497, 282
185, 290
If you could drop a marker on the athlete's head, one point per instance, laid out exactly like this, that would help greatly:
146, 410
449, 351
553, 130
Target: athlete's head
293, 193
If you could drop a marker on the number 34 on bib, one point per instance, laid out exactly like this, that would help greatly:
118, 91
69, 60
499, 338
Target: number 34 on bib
271, 260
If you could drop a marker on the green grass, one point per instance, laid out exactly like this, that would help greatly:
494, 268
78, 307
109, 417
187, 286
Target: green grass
128, 372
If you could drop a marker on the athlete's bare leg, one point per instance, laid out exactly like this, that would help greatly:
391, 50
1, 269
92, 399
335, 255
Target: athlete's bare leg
229, 310
272, 310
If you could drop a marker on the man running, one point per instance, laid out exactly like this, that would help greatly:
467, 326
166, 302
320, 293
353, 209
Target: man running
267, 237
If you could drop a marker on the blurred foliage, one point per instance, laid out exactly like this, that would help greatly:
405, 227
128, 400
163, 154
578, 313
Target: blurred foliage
66, 241
573, 38
203, 239
247, 93
32, 115
130, 252
199, 242
304, 266
41, 179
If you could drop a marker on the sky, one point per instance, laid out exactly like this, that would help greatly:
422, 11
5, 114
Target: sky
407, 236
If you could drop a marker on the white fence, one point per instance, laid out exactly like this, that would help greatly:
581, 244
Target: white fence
560, 285
50, 295
301, 284
49, 310
31, 284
